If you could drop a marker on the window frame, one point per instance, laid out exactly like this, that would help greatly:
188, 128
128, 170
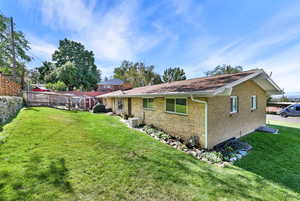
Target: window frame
175, 112
120, 104
231, 104
253, 103
148, 108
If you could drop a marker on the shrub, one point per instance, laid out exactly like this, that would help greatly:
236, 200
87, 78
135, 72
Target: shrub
57, 86
98, 108
213, 156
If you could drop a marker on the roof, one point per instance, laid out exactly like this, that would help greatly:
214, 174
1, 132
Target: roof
83, 93
204, 86
114, 81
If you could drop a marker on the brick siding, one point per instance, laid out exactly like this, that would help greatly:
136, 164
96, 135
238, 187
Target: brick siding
8, 87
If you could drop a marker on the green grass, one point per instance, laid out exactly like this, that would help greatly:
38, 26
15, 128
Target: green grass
275, 157
60, 155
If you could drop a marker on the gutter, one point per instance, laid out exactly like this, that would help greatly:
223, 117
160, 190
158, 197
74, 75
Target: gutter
205, 104
207, 93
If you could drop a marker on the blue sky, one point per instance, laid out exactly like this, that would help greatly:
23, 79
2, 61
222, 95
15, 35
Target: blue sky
196, 35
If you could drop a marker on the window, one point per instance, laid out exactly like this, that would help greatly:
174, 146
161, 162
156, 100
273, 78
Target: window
298, 108
120, 104
176, 105
253, 103
148, 103
233, 104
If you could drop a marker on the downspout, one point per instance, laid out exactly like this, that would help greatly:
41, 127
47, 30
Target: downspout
205, 116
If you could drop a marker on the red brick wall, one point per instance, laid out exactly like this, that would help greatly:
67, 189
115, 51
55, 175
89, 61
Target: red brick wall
8, 87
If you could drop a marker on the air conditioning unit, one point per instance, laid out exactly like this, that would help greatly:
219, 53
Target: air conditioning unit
134, 122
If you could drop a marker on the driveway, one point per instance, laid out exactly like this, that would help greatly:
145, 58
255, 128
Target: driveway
282, 119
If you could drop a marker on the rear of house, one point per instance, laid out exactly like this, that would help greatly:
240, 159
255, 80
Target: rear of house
213, 108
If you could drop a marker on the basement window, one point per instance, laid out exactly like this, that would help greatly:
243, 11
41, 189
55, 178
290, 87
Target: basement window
233, 104
148, 103
176, 105
253, 103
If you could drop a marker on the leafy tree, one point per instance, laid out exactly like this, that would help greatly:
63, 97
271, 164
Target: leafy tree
87, 75
224, 69
137, 74
57, 86
44, 72
34, 76
21, 45
67, 73
173, 74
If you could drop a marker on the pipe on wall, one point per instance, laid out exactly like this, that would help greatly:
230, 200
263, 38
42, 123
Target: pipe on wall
205, 116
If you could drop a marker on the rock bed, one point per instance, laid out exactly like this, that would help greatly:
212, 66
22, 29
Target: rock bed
228, 153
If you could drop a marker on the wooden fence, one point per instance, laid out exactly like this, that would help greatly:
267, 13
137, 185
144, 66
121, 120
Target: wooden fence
57, 100
9, 87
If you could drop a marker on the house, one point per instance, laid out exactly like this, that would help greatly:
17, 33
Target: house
213, 108
113, 85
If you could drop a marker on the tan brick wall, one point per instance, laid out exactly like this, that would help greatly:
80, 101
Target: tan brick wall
184, 126
222, 125
8, 87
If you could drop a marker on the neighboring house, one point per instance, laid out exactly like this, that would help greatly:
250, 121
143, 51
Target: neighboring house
213, 108
113, 85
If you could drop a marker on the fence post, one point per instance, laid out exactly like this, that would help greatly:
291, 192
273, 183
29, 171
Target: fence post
69, 100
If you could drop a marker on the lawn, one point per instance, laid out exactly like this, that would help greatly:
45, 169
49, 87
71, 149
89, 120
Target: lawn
275, 157
50, 154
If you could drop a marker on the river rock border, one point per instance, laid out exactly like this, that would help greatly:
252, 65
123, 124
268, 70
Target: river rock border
221, 157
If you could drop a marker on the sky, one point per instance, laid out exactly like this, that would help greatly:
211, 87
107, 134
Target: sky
196, 35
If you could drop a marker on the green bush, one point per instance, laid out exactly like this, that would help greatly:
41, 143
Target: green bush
213, 156
57, 86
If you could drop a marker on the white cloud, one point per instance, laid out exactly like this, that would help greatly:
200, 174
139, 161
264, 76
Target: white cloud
258, 49
113, 35
40, 48
74, 15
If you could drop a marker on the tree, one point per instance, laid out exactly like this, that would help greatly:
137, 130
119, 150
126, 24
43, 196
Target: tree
21, 46
87, 75
224, 69
44, 72
173, 74
137, 74
67, 74
57, 86
34, 76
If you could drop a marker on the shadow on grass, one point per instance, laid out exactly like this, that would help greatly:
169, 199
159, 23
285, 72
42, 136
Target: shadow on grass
52, 174
176, 169
275, 157
9, 120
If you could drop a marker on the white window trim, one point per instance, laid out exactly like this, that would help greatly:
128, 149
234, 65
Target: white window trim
146, 108
255, 103
185, 114
237, 105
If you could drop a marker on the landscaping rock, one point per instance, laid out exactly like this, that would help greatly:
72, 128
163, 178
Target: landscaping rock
9, 106
192, 142
243, 153
233, 159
